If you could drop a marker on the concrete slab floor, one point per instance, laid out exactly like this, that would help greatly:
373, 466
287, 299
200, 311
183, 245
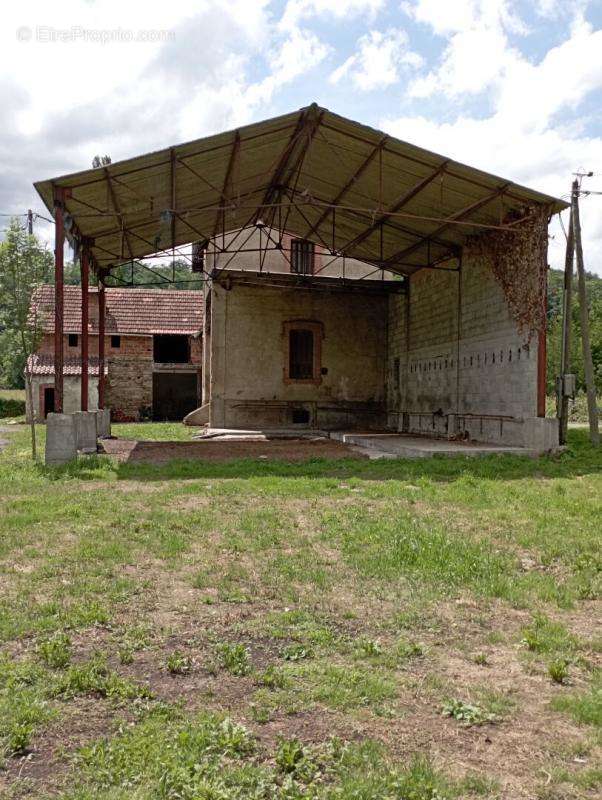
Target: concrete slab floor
400, 445
373, 444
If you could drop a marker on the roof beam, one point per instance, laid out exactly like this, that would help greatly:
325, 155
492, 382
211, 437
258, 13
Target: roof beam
463, 213
116, 206
232, 161
397, 206
340, 195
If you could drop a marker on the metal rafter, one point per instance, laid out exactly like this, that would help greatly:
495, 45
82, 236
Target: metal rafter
397, 206
340, 195
461, 214
116, 206
234, 153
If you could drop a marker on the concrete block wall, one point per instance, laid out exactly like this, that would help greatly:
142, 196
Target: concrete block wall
468, 370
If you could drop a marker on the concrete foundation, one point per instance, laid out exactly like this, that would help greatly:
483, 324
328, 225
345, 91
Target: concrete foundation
61, 440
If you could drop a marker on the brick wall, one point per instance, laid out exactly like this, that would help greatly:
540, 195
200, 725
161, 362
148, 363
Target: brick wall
129, 388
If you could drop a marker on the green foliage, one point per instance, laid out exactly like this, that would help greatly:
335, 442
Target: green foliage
584, 707
554, 337
11, 407
178, 663
93, 677
558, 670
24, 266
547, 636
466, 713
235, 659
55, 651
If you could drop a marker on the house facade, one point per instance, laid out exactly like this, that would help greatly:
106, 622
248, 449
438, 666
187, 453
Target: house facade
153, 352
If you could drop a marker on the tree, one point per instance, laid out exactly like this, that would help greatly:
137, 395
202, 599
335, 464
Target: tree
24, 266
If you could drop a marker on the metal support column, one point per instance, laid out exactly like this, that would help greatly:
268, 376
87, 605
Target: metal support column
59, 246
101, 343
85, 273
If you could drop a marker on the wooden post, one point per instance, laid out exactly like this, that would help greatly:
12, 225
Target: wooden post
59, 246
85, 273
542, 357
565, 352
588, 366
101, 343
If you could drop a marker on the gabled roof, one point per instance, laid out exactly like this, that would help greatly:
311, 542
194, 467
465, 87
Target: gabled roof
396, 204
128, 311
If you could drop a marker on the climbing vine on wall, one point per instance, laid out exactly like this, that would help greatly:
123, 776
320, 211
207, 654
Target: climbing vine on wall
518, 259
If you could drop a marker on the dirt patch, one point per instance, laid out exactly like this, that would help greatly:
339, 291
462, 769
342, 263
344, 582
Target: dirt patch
133, 451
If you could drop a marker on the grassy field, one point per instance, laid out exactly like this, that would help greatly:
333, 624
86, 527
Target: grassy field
408, 630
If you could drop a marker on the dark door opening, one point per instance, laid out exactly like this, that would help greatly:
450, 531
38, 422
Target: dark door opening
174, 395
48, 401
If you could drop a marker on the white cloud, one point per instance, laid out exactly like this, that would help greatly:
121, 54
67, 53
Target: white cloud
298, 10
378, 61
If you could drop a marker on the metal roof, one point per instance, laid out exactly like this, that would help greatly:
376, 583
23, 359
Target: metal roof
316, 174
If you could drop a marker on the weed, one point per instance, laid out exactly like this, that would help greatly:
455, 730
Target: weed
94, 677
466, 713
178, 663
546, 636
273, 678
126, 655
296, 652
584, 707
289, 754
369, 648
235, 659
55, 651
558, 670
480, 659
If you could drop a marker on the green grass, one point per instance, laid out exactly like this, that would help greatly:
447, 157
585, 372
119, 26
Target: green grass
327, 597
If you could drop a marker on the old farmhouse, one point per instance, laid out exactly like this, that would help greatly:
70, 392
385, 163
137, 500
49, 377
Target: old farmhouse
152, 352
352, 280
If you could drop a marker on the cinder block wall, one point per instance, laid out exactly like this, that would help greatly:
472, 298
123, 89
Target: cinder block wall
460, 354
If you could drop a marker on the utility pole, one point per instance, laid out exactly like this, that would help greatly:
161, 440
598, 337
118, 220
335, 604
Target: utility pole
564, 389
588, 366
30, 221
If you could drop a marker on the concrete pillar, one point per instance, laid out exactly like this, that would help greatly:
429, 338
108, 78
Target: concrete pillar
103, 422
217, 414
61, 444
85, 431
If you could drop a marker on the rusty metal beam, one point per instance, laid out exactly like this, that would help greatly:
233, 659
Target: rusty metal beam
341, 194
59, 297
234, 153
84, 265
101, 342
116, 205
463, 213
397, 206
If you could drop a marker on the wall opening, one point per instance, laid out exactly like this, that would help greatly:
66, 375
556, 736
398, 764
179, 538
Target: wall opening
301, 416
48, 401
171, 349
174, 395
301, 354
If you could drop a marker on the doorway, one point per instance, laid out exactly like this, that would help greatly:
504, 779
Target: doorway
48, 402
174, 395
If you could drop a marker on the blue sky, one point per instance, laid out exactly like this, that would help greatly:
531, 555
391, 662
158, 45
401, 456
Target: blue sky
512, 87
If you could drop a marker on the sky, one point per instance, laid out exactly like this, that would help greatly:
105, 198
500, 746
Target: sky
513, 87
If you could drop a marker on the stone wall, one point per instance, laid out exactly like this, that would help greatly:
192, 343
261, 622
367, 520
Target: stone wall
129, 388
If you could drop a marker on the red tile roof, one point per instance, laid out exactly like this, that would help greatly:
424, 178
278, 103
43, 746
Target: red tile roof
44, 365
134, 311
